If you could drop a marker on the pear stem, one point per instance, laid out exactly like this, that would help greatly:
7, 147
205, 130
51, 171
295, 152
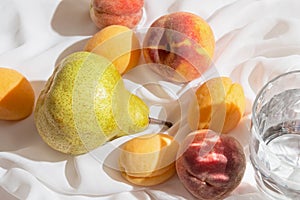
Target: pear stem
160, 122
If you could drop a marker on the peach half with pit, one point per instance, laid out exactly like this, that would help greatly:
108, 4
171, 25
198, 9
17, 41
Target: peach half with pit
180, 45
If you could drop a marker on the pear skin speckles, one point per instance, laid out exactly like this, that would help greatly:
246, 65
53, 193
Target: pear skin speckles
78, 110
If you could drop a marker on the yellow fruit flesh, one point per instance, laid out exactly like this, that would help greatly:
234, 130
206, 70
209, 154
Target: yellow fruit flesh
148, 159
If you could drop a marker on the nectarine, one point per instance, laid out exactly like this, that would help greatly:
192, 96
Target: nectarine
117, 12
210, 165
181, 46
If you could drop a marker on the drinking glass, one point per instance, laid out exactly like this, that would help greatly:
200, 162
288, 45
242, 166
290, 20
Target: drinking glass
275, 137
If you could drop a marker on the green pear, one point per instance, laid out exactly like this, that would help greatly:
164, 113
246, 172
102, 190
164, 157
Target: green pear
85, 103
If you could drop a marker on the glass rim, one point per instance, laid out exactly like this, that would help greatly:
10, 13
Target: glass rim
259, 94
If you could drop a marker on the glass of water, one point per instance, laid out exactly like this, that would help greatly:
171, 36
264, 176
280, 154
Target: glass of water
275, 140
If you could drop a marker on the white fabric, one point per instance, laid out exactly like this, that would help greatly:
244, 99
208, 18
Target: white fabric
255, 41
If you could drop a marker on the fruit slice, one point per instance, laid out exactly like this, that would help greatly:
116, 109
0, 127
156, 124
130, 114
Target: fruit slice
149, 159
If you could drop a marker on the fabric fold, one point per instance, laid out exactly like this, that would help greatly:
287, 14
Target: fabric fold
255, 41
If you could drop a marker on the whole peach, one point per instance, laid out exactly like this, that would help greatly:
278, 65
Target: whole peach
16, 95
220, 105
210, 165
117, 12
117, 43
181, 45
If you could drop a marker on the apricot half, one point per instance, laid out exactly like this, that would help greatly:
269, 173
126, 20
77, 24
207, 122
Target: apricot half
16, 95
149, 159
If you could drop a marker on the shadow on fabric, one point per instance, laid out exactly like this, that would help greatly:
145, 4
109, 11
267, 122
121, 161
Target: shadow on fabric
73, 18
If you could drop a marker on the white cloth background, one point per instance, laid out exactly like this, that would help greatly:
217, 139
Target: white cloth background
255, 41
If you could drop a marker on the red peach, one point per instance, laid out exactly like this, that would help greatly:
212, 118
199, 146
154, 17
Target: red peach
212, 165
118, 12
182, 44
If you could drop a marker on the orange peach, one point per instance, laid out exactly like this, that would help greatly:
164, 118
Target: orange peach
181, 46
117, 12
221, 105
16, 95
117, 43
